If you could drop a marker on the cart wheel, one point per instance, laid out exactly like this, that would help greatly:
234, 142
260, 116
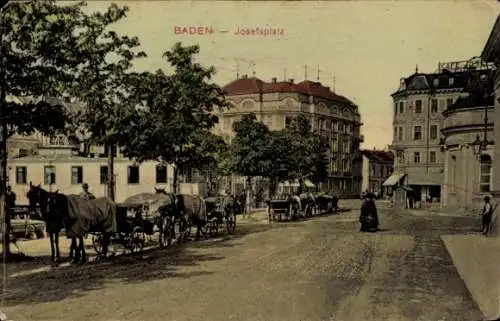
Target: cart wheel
136, 242
164, 237
231, 223
187, 228
214, 227
97, 243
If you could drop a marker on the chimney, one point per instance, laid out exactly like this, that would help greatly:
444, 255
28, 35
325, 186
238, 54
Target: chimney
290, 80
245, 76
274, 79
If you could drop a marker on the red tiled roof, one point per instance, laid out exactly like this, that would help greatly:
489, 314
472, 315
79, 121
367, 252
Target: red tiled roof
254, 85
379, 155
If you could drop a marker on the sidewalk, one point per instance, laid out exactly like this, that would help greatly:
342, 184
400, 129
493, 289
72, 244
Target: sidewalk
477, 259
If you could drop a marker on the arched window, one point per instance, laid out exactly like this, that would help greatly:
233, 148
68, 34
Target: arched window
485, 174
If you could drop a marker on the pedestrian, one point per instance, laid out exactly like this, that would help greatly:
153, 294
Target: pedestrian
487, 215
85, 194
10, 203
368, 216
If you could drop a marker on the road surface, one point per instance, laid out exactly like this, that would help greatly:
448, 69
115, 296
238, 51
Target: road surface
319, 269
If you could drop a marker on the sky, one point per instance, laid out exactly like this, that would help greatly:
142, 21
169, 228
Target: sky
367, 46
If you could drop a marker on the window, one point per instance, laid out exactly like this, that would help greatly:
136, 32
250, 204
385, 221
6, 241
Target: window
485, 178
417, 133
451, 81
449, 102
433, 132
49, 175
400, 134
341, 127
76, 175
418, 106
21, 174
334, 125
416, 157
395, 109
23, 152
161, 174
435, 82
400, 155
104, 174
434, 106
401, 107
432, 157
335, 144
133, 175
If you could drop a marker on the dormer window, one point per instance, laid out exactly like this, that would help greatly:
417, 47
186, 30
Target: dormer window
451, 81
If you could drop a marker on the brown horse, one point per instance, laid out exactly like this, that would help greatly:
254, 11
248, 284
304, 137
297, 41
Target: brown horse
193, 207
77, 216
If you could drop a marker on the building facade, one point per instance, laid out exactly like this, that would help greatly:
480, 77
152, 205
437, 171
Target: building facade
377, 167
491, 54
60, 169
467, 176
275, 103
418, 121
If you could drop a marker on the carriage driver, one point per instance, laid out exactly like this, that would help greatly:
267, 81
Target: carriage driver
85, 194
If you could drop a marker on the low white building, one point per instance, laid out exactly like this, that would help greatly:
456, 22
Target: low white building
61, 170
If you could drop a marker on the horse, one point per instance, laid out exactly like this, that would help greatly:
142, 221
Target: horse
295, 204
308, 203
192, 206
77, 216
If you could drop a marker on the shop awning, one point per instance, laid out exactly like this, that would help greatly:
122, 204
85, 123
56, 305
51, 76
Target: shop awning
430, 179
394, 179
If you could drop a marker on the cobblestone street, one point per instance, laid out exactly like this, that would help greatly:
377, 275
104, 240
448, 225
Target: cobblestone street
319, 269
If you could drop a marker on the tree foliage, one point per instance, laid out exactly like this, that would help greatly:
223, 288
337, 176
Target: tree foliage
102, 80
36, 62
250, 148
309, 151
177, 113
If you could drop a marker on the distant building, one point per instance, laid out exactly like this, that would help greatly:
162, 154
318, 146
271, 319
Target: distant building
418, 122
275, 103
376, 169
37, 158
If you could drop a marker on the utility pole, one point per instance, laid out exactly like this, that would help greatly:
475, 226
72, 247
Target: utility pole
305, 72
317, 76
333, 82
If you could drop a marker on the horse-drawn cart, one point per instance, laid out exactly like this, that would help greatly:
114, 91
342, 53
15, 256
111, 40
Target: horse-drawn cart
220, 210
277, 209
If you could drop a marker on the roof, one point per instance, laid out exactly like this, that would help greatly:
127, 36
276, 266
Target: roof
472, 101
245, 86
441, 80
378, 155
492, 47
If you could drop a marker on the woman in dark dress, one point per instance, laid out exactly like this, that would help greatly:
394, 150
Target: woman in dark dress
368, 216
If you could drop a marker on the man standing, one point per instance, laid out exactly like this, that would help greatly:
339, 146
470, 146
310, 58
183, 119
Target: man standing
487, 214
85, 194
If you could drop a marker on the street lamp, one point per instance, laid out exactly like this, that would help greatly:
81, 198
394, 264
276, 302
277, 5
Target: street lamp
479, 84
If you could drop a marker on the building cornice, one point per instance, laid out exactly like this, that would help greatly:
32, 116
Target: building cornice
447, 111
469, 128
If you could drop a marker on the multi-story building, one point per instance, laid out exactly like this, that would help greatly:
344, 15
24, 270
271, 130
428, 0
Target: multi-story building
417, 123
377, 167
467, 174
275, 103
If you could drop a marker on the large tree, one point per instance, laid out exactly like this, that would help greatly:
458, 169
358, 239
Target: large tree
103, 81
177, 112
308, 157
35, 62
250, 150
